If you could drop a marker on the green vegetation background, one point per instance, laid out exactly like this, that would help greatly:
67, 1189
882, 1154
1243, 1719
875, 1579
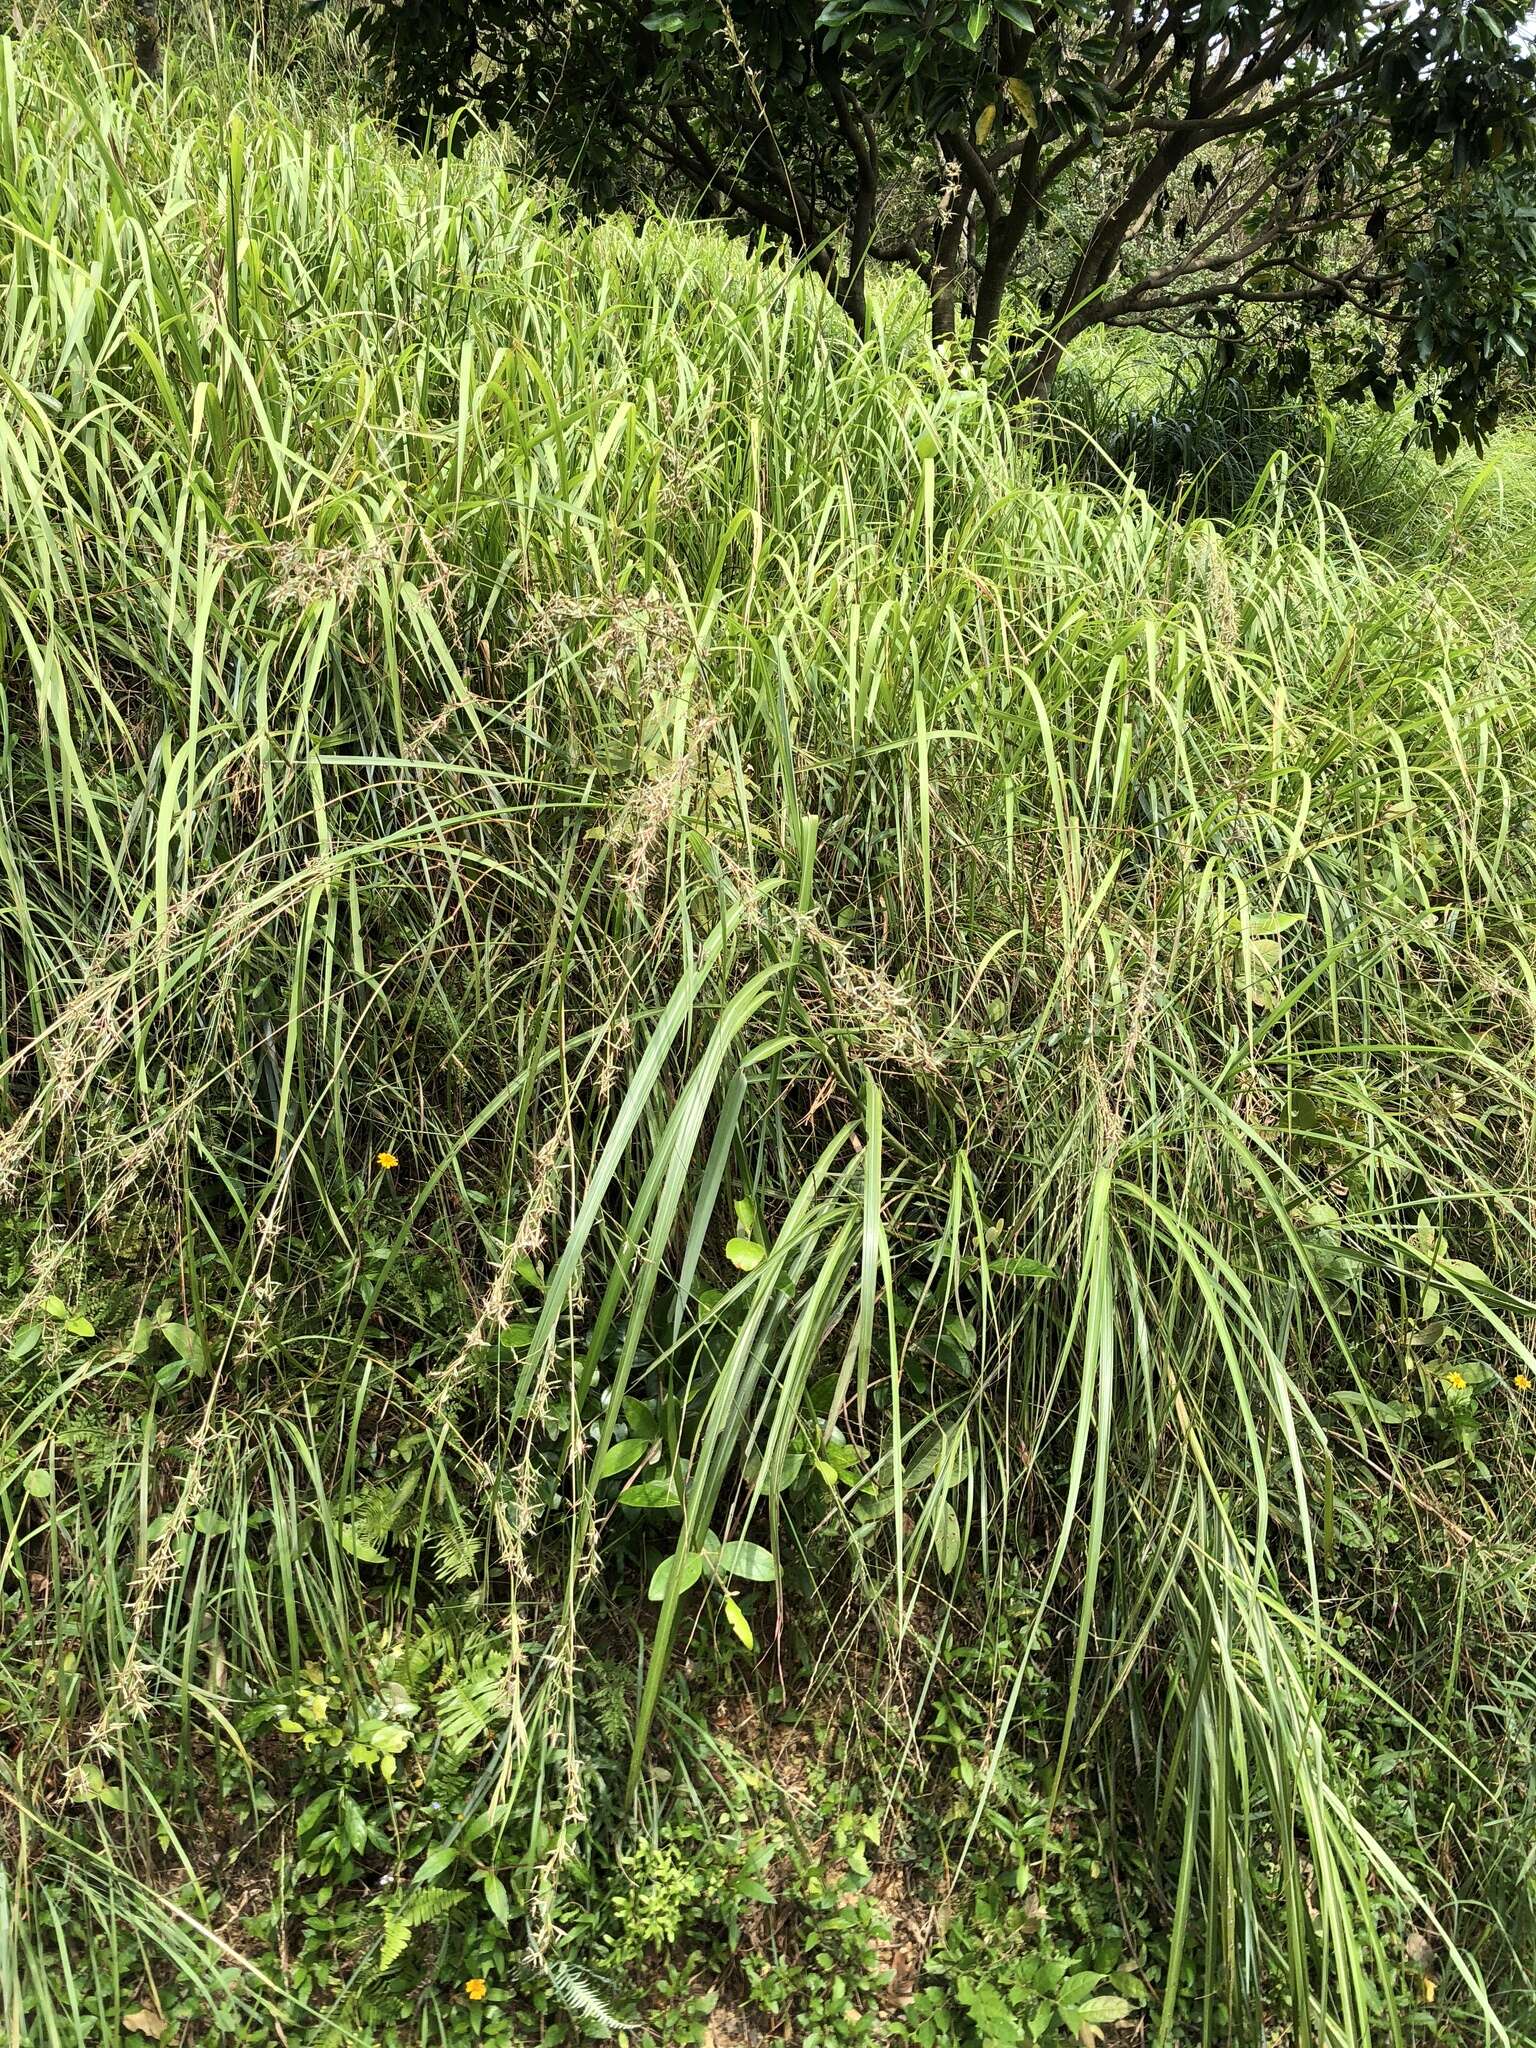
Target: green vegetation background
766, 1183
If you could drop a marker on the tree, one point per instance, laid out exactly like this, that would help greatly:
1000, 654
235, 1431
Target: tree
146, 37
1253, 166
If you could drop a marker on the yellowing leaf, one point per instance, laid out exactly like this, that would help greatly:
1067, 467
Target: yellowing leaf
1103, 2010
744, 1254
984, 121
740, 1626
1023, 100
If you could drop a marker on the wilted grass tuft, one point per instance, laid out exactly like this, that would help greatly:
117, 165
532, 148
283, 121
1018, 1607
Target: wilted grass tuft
979, 1028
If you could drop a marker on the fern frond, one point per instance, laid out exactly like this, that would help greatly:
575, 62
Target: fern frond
579, 1996
397, 1939
433, 1902
477, 1695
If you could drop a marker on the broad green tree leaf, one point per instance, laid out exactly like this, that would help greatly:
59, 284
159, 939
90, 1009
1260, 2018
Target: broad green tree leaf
687, 1573
622, 1456
739, 1560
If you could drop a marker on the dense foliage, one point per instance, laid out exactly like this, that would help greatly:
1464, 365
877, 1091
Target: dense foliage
1267, 169
766, 1183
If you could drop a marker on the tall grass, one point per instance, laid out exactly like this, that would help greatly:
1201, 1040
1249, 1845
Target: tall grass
1201, 438
538, 703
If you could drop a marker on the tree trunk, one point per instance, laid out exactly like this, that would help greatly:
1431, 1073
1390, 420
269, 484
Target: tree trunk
858, 132
1003, 244
146, 38
852, 294
1041, 362
946, 264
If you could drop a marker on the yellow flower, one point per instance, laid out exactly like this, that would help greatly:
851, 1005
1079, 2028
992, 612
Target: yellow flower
475, 1988
1429, 1990
1523, 1382
389, 1162
1455, 1382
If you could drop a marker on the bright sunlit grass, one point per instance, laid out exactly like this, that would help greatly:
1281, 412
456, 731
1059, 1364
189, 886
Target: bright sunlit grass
587, 864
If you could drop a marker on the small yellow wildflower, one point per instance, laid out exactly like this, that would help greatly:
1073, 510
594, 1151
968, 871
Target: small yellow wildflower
1455, 1381
1429, 1990
475, 1988
1523, 1382
389, 1162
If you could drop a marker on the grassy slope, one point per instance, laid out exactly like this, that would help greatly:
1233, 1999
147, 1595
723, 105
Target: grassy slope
532, 701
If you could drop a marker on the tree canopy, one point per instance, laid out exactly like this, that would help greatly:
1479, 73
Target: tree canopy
1254, 167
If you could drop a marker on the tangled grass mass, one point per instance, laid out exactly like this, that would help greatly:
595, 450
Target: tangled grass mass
766, 1189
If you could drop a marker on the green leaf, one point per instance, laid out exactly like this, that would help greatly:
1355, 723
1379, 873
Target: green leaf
739, 1560
25, 1342
989, 2012
623, 1456
356, 1544
946, 1537
353, 1823
56, 1307
186, 1344
789, 1471
692, 1564
650, 1493
744, 1254
1101, 2011
94, 1787
496, 1898
39, 1483
1080, 1985
80, 1326
1023, 1269
1379, 1411
746, 1216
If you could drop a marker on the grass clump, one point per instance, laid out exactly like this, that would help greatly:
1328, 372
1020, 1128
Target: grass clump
744, 1149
